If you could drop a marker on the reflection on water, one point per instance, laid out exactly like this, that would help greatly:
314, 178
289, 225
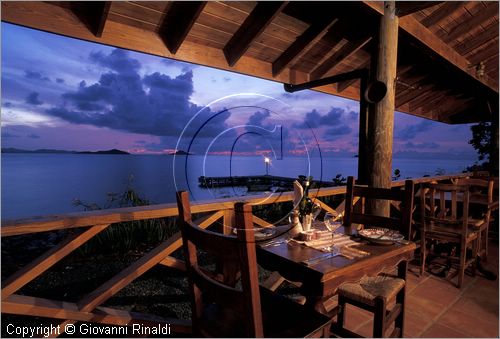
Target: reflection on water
43, 184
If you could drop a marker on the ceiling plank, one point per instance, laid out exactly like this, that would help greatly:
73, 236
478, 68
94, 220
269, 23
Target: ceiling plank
409, 95
469, 45
342, 54
178, 21
404, 8
92, 13
342, 85
442, 12
473, 22
255, 23
436, 45
302, 45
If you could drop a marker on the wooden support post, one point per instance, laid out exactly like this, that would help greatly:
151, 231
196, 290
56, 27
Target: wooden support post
363, 133
381, 117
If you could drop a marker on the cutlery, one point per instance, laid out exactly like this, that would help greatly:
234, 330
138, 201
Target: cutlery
324, 256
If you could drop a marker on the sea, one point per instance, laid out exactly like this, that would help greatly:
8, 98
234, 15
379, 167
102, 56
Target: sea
47, 184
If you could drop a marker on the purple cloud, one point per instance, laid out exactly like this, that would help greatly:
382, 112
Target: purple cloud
411, 131
32, 99
35, 75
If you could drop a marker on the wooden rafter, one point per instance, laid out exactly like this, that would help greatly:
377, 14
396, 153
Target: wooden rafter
404, 8
474, 21
343, 53
470, 45
438, 46
302, 44
178, 22
92, 13
256, 22
444, 11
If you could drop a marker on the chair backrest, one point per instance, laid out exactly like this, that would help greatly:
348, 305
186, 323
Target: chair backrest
440, 205
402, 199
207, 288
479, 186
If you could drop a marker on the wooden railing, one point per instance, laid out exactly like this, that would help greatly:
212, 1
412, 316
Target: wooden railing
89, 308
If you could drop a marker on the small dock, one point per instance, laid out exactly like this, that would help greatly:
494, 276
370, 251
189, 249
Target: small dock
256, 182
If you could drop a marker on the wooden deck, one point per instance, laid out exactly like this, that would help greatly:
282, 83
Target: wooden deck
436, 309
93, 306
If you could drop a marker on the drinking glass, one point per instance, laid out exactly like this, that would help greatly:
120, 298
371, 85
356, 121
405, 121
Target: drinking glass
332, 226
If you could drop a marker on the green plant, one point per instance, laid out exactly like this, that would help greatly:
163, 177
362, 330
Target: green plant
125, 236
339, 180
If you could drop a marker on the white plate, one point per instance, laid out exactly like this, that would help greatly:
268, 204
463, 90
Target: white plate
382, 236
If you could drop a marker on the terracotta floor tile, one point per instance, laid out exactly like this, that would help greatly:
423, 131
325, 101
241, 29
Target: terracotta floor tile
427, 309
355, 317
414, 324
441, 331
468, 324
365, 330
486, 310
436, 290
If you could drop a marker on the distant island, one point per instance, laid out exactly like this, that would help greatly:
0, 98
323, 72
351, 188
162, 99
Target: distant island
179, 152
55, 151
111, 151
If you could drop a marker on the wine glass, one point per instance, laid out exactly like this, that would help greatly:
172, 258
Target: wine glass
332, 225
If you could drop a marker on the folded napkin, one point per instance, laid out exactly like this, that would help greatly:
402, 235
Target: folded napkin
343, 242
298, 193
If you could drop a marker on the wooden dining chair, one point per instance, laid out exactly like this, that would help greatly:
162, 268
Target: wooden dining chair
481, 205
244, 309
445, 218
374, 293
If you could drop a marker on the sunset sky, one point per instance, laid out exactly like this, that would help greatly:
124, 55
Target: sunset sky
63, 93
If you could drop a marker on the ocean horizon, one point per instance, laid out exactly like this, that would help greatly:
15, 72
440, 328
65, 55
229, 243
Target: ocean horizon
46, 184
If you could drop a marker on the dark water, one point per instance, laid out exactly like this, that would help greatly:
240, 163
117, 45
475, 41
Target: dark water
43, 184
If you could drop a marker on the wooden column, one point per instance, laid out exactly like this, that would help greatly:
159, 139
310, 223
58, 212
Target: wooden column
381, 115
363, 134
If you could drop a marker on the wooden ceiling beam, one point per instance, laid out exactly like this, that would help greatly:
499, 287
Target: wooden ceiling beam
302, 44
404, 8
342, 54
469, 45
419, 32
475, 21
92, 14
442, 12
178, 21
255, 23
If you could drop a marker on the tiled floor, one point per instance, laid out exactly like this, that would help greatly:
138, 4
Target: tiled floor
437, 309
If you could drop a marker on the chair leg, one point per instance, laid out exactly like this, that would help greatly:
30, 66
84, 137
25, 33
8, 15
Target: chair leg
379, 325
461, 270
423, 251
341, 315
486, 231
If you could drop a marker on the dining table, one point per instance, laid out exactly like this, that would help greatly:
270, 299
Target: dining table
319, 281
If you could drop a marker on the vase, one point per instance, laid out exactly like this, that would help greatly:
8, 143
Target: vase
307, 222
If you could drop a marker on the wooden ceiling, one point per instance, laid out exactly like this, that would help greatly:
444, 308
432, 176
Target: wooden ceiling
447, 52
